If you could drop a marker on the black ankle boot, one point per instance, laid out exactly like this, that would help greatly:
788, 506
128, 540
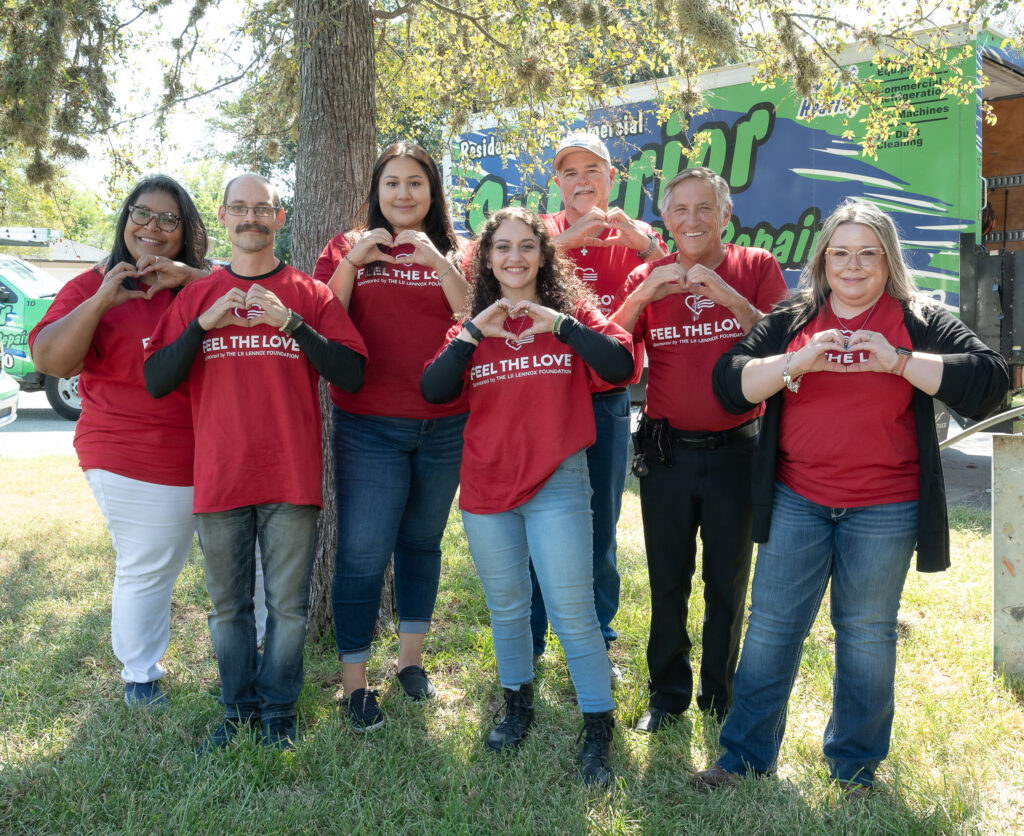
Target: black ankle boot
511, 730
594, 756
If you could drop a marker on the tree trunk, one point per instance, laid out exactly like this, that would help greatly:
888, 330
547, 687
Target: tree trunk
336, 149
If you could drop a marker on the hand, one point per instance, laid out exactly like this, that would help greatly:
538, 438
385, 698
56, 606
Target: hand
111, 292
491, 320
584, 233
624, 231
812, 356
882, 357
274, 313
222, 312
161, 273
706, 282
543, 318
424, 252
662, 281
367, 249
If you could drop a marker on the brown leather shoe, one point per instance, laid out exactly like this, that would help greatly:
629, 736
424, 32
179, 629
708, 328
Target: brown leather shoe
714, 778
852, 791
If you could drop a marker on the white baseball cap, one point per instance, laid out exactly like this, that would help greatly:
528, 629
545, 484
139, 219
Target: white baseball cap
583, 141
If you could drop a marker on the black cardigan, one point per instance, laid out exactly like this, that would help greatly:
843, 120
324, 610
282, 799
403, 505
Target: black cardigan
974, 383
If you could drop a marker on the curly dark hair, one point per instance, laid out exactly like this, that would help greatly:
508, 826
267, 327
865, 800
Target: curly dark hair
194, 239
437, 224
558, 287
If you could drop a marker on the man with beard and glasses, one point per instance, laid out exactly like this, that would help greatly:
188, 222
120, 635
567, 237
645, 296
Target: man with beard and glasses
249, 343
605, 245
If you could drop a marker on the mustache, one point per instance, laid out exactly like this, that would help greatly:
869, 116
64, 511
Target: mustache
254, 227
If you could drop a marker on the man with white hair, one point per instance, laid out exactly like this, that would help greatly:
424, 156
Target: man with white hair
606, 245
694, 458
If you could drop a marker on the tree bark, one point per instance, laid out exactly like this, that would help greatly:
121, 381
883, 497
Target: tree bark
336, 149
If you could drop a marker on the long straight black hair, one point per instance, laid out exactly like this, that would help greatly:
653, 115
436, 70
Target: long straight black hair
437, 224
194, 240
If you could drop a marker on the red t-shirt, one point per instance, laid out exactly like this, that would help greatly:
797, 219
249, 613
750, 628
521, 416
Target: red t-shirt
122, 429
402, 313
685, 334
862, 417
529, 410
255, 403
602, 269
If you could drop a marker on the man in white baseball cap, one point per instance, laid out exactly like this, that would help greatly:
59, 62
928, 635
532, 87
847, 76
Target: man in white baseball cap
605, 244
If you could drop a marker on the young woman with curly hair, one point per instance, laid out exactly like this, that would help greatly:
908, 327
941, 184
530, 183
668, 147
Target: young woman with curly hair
533, 348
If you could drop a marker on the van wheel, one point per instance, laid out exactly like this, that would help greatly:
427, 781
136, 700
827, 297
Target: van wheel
62, 393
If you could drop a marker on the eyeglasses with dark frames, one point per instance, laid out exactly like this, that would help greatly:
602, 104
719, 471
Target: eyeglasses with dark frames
165, 221
240, 210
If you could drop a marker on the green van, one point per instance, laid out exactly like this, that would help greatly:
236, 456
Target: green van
25, 295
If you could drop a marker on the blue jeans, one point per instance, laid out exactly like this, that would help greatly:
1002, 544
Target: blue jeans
555, 528
607, 461
287, 540
865, 552
395, 480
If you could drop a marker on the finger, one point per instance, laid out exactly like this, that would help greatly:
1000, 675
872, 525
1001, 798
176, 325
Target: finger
591, 241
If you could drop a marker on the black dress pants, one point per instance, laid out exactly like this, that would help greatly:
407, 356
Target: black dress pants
705, 490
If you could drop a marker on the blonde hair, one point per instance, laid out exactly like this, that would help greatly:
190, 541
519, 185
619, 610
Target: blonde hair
813, 291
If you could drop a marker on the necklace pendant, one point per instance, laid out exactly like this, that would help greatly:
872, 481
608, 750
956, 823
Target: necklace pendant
583, 251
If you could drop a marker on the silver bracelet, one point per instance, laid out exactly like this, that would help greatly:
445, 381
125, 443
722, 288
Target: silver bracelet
787, 378
651, 247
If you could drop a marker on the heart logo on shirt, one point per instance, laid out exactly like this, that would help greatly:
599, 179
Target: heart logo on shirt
248, 313
696, 303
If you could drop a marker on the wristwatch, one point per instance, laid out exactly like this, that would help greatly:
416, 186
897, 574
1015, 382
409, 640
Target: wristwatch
904, 357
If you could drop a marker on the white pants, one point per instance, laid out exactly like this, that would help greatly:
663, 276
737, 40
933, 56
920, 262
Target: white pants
152, 528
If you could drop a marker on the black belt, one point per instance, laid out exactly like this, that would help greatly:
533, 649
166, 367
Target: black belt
609, 392
709, 441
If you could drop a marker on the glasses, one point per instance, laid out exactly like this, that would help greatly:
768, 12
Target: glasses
240, 210
840, 258
165, 221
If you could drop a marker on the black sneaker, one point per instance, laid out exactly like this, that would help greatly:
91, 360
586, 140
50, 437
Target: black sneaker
593, 757
363, 710
416, 684
280, 733
227, 731
511, 730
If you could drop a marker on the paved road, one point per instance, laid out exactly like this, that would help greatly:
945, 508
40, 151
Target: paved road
39, 431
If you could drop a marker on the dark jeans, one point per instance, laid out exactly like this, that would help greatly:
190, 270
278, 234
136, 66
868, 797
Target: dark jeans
607, 460
287, 538
707, 490
395, 480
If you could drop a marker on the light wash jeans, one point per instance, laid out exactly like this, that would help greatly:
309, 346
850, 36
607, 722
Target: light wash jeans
865, 554
607, 461
555, 528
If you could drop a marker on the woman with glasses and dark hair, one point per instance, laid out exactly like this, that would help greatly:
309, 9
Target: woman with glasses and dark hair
847, 482
396, 457
532, 351
136, 452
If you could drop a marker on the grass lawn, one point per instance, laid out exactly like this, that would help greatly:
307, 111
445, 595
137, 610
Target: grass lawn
74, 759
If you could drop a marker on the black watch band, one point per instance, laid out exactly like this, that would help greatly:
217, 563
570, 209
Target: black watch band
473, 331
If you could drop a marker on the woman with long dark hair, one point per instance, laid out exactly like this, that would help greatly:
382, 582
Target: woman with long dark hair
533, 348
136, 452
396, 457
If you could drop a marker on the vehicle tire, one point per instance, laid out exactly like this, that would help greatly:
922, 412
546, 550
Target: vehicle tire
62, 393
